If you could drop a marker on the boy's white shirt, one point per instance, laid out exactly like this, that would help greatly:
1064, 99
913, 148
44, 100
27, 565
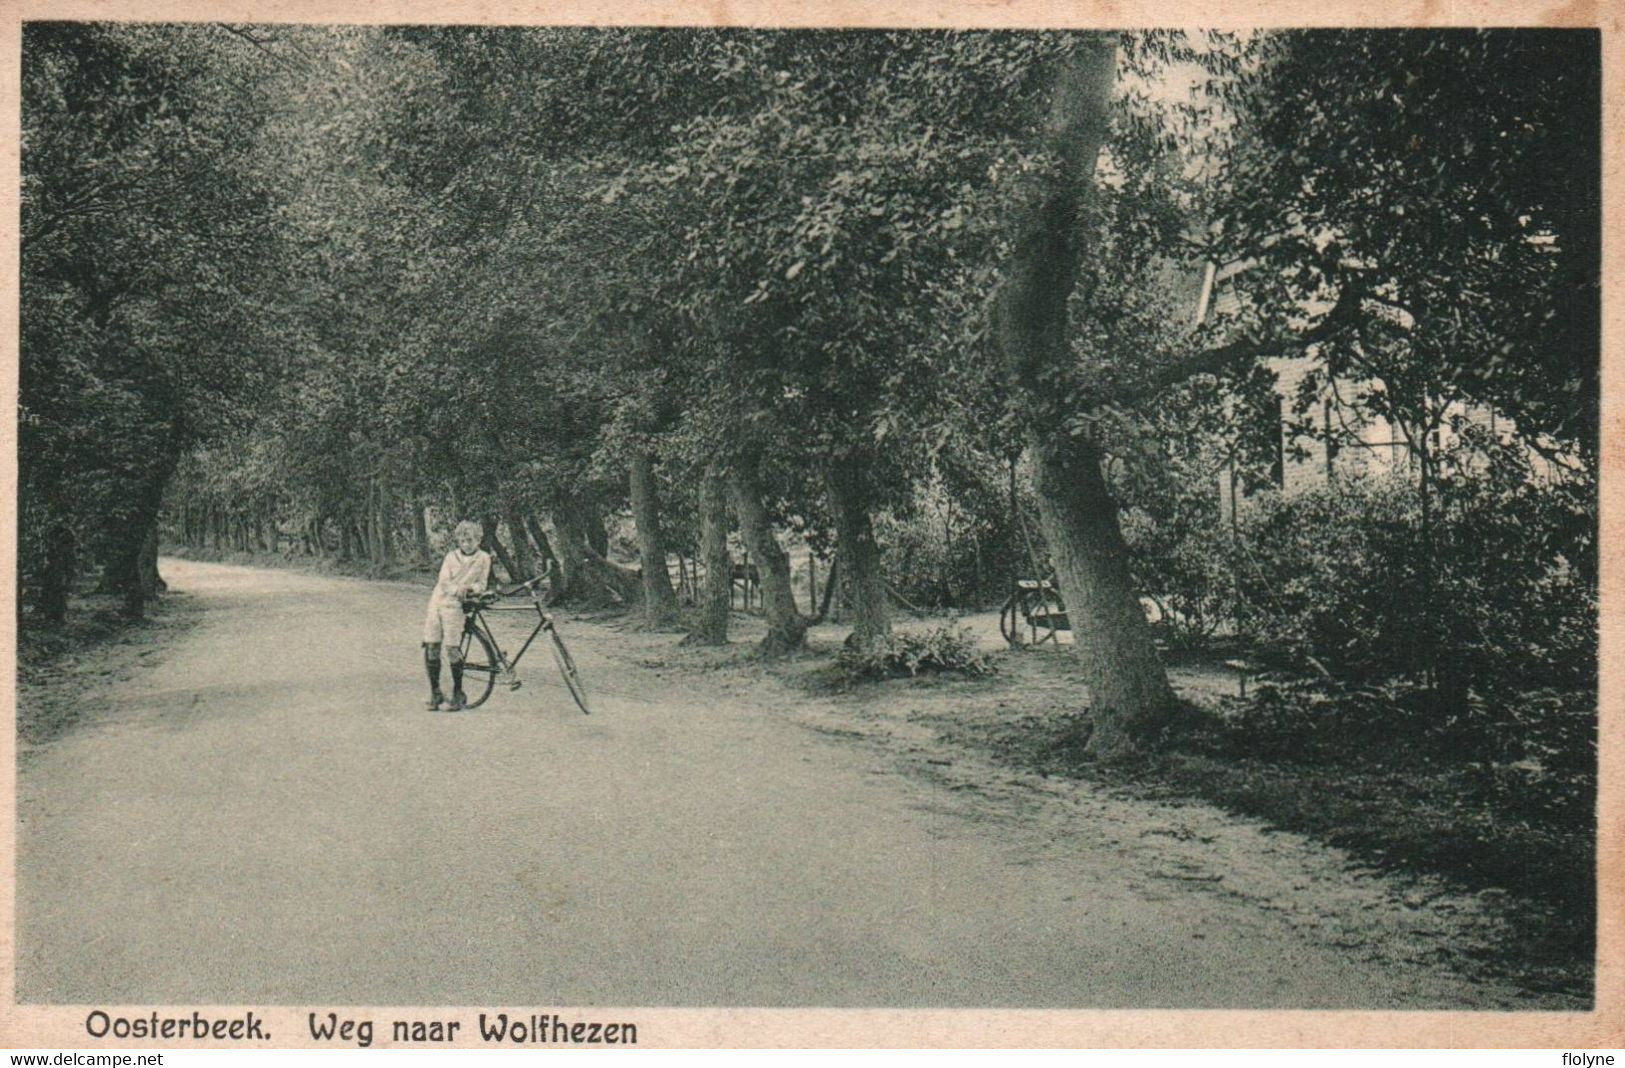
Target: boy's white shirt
459, 571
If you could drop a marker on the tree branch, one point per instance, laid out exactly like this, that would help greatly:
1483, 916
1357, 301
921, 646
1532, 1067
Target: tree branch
258, 43
1244, 350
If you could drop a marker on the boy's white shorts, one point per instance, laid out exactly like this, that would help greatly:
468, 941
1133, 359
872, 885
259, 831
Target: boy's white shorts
444, 623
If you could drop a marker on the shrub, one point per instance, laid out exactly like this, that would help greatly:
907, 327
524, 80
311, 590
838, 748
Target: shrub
943, 549
1328, 577
1492, 601
1182, 563
908, 653
1470, 638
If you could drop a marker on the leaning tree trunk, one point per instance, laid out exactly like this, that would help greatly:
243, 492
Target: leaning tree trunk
659, 600
493, 544
592, 525
786, 630
544, 547
519, 543
623, 583
711, 623
862, 584
589, 575
1130, 698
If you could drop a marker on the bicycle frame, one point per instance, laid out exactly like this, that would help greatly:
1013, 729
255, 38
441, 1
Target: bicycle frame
477, 626
476, 616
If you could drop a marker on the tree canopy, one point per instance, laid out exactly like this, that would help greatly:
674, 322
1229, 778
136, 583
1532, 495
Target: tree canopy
312, 281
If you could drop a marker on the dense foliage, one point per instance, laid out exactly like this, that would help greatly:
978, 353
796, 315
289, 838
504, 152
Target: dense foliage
326, 290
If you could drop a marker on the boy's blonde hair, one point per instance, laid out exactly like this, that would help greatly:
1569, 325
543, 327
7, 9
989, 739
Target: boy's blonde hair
470, 526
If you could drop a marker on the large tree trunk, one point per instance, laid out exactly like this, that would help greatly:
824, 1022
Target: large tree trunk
571, 548
711, 621
1128, 687
862, 584
521, 545
786, 630
126, 570
659, 600
152, 583
61, 568
1130, 698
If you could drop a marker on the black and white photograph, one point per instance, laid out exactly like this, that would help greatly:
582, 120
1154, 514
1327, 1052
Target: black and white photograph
568, 522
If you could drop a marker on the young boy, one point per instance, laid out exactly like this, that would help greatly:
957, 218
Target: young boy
465, 572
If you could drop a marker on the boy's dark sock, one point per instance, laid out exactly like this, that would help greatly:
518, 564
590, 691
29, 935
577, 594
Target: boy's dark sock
431, 660
457, 676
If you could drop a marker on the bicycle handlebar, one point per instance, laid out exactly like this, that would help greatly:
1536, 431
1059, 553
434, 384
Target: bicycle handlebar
490, 597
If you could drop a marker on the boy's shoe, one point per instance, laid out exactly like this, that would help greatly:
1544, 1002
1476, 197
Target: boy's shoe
436, 699
459, 700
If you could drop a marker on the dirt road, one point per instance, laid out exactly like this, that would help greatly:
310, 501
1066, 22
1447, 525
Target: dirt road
269, 815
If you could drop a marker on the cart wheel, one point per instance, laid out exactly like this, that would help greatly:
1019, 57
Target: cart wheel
1046, 614
1010, 620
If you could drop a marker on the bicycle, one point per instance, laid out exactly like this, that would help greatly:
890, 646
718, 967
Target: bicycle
483, 658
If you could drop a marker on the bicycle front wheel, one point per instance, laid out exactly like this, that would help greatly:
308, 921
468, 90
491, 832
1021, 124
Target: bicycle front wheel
480, 666
567, 668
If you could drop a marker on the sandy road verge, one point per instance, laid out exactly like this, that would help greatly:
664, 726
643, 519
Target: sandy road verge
935, 732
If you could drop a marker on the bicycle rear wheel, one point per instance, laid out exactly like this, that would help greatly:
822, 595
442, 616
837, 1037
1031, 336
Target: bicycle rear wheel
480, 666
567, 668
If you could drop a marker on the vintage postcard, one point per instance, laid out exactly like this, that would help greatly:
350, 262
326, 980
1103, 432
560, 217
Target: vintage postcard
756, 525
